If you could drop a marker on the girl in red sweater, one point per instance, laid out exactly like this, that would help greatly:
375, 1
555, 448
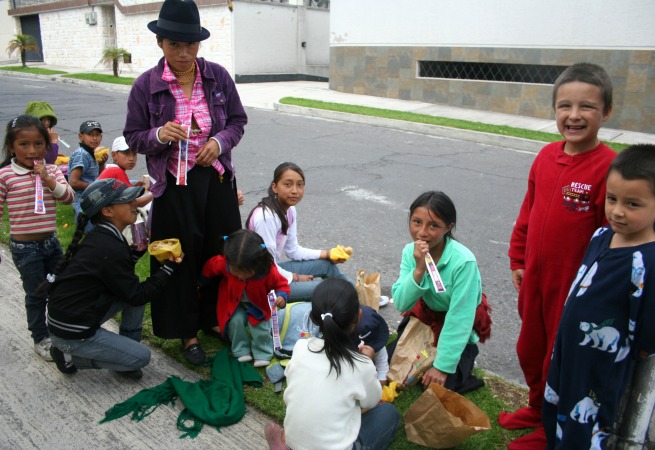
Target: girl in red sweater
248, 275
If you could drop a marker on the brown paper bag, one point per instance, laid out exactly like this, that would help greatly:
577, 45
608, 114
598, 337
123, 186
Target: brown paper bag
414, 353
441, 418
368, 289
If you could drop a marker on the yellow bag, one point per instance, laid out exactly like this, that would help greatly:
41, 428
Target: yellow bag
368, 289
441, 418
162, 249
414, 353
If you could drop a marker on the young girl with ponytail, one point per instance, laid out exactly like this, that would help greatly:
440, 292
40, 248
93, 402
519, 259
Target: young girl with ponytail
332, 393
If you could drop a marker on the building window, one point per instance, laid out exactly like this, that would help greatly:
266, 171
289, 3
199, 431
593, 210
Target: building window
511, 73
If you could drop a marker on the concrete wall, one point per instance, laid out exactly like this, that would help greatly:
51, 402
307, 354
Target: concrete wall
374, 53
269, 39
8, 29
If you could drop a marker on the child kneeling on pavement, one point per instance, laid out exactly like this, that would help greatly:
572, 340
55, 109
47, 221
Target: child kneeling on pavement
95, 280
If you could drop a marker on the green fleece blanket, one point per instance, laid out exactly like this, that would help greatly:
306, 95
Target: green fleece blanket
218, 401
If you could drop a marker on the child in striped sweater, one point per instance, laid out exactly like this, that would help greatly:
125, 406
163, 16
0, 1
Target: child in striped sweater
31, 188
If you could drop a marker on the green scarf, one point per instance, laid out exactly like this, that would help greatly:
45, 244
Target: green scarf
218, 401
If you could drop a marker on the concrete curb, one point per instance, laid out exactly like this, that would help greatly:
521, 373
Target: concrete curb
414, 127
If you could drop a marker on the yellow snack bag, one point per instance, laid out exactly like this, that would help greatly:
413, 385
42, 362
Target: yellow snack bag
162, 249
100, 153
340, 253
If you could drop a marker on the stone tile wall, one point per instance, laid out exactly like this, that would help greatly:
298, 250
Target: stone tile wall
392, 72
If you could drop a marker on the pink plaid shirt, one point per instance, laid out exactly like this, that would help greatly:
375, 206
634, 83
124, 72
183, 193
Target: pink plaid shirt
185, 111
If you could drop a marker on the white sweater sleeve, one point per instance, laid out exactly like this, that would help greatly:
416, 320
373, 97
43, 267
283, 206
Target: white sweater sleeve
268, 226
292, 249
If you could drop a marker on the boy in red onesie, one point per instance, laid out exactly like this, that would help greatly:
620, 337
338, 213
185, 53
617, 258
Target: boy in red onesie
563, 206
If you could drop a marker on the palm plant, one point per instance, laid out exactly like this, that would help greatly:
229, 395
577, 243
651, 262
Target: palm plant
23, 43
113, 55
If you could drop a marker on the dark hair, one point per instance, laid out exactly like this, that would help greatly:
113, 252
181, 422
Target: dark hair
590, 74
335, 309
271, 202
245, 249
438, 204
636, 162
82, 221
17, 124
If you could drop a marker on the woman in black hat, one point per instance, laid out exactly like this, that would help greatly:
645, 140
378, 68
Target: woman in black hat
185, 115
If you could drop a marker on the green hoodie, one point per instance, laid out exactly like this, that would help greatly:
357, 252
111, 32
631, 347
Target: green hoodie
41, 110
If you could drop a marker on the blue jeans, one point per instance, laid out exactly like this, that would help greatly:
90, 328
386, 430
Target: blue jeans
378, 428
106, 350
319, 268
34, 260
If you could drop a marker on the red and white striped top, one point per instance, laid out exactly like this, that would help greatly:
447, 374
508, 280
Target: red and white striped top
17, 191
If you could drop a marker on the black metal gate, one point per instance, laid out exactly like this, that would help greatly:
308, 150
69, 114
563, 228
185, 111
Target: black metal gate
31, 25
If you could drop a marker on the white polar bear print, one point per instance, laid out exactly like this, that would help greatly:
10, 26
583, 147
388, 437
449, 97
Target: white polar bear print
623, 352
581, 272
603, 338
638, 271
585, 410
550, 395
587, 280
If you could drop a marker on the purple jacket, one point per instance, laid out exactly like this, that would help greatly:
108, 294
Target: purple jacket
151, 104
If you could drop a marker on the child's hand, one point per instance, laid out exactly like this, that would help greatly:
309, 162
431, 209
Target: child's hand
176, 259
433, 375
40, 169
280, 302
298, 277
367, 350
421, 248
240, 198
54, 136
517, 278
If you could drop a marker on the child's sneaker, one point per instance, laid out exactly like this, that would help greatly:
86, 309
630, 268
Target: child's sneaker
261, 362
384, 300
244, 358
64, 366
42, 348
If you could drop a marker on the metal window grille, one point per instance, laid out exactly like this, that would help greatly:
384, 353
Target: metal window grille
512, 73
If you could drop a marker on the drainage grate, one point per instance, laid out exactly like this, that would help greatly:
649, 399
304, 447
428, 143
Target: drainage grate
512, 73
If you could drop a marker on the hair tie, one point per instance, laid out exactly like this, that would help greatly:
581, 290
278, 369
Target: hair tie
225, 238
323, 316
263, 245
50, 277
13, 122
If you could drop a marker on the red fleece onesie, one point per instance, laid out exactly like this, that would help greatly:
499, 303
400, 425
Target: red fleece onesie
564, 205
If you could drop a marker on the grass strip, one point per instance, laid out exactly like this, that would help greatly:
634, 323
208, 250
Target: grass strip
503, 130
33, 70
101, 77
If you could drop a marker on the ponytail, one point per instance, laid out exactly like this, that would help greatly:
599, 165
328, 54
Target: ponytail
335, 309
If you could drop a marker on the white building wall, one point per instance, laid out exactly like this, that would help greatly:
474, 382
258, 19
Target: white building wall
7, 32
600, 24
77, 44
317, 36
134, 36
266, 38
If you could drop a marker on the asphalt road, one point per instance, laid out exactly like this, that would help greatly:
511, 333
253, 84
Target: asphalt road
361, 180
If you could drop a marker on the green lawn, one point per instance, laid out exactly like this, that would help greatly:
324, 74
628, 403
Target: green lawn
101, 77
35, 70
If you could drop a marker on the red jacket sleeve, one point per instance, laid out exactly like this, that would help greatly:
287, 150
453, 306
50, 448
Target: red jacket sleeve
520, 233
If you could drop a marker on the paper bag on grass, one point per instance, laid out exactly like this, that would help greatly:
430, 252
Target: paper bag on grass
414, 353
441, 418
368, 289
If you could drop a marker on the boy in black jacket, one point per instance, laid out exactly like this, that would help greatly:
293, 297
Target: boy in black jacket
96, 280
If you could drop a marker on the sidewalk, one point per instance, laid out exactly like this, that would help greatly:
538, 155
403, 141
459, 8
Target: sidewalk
267, 96
43, 408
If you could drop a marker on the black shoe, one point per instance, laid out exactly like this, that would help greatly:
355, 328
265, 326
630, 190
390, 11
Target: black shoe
194, 354
131, 374
60, 361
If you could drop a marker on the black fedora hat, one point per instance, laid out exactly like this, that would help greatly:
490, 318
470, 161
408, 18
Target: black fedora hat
179, 20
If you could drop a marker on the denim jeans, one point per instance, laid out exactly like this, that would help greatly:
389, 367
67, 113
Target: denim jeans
319, 268
106, 350
34, 260
378, 428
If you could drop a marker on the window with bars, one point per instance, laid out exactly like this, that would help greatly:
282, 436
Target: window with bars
512, 73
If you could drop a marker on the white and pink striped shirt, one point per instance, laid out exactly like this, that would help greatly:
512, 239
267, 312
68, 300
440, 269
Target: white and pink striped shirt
17, 191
